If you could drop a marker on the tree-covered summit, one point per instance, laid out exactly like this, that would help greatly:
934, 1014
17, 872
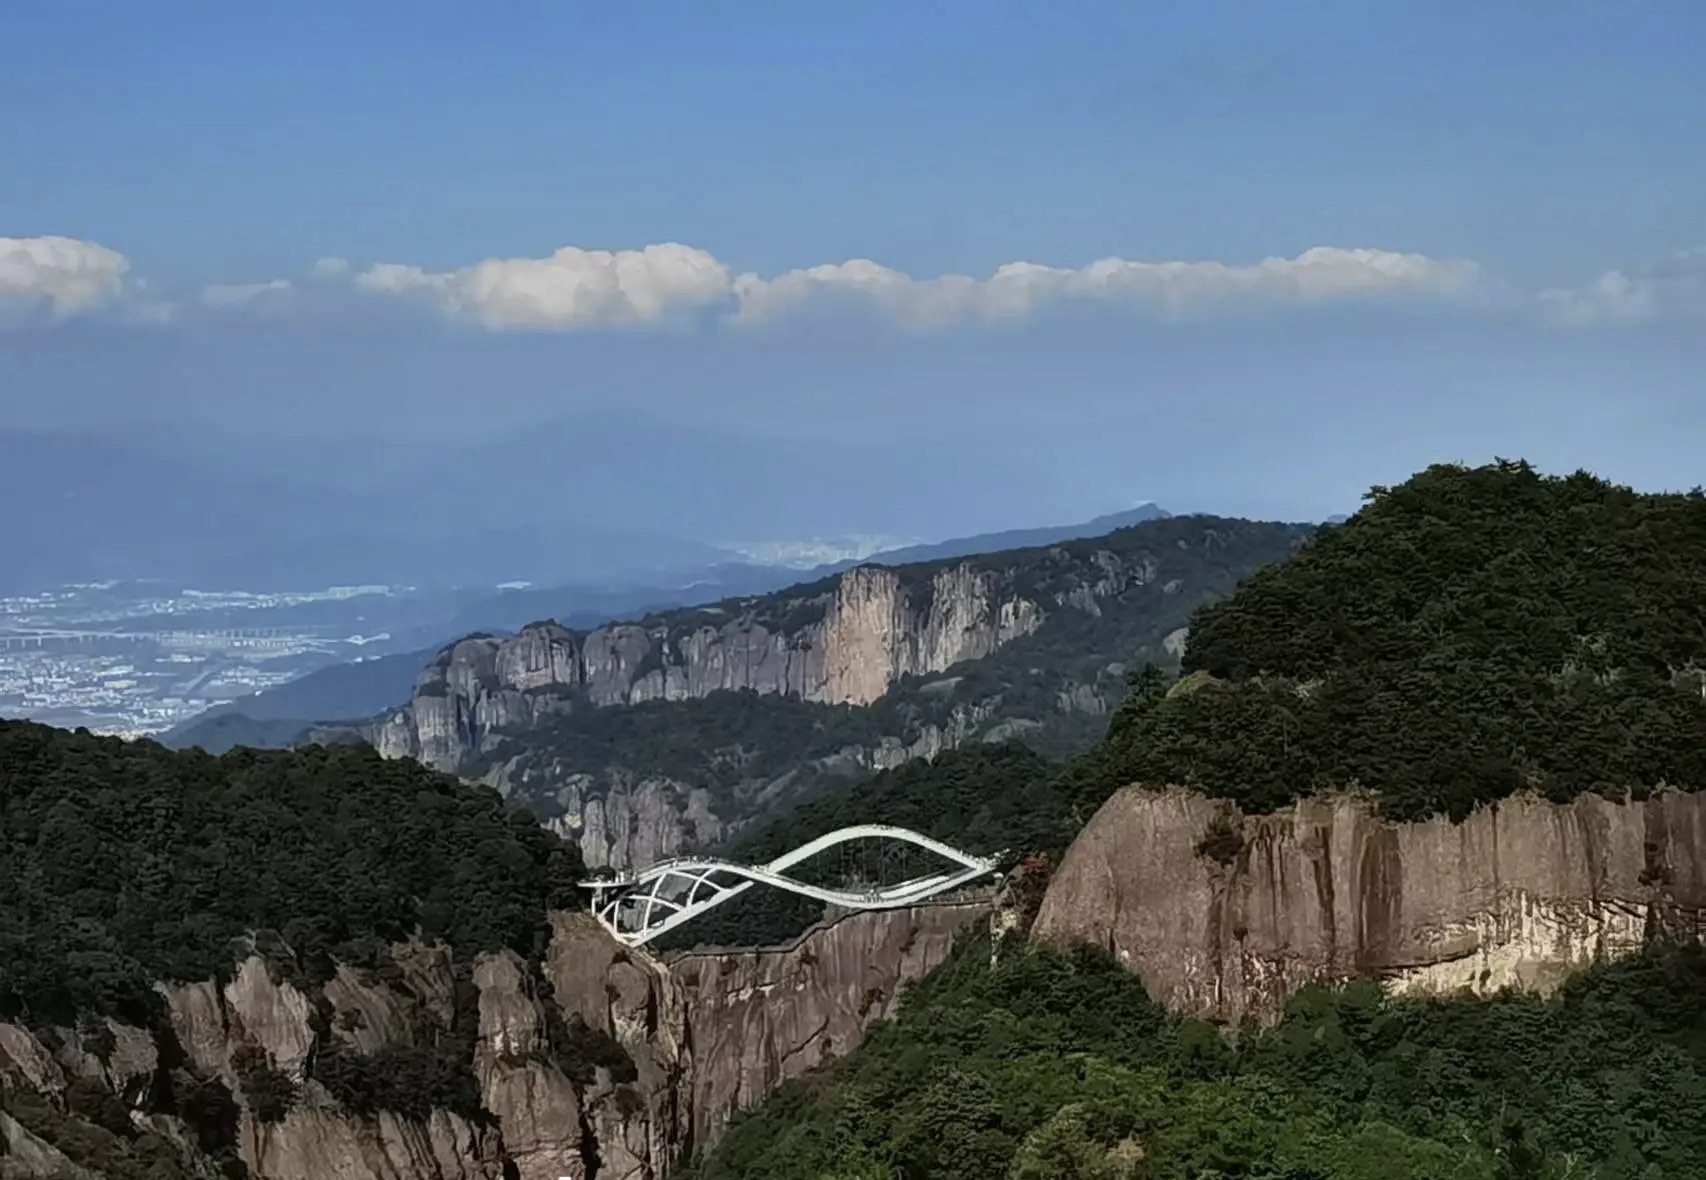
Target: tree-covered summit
123, 863
1469, 633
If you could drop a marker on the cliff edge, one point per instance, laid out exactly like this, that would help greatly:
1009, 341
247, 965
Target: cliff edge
1224, 915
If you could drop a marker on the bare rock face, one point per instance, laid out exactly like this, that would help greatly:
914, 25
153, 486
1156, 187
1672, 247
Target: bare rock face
28, 1158
761, 1018
1224, 916
617, 819
25, 1059
706, 1036
312, 1144
844, 643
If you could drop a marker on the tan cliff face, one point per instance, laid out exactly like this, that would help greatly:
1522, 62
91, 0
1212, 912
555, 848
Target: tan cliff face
706, 1036
766, 1018
1520, 894
845, 644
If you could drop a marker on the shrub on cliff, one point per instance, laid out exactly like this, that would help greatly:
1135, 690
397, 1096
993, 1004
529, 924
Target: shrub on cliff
122, 863
1469, 633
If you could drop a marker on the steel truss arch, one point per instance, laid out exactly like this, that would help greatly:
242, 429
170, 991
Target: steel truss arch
638, 907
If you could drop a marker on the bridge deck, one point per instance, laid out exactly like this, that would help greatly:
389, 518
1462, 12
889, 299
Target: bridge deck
638, 907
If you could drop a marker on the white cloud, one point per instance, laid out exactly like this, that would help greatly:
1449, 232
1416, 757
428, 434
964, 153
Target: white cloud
570, 288
576, 287
68, 274
1675, 288
329, 268
1021, 288
241, 294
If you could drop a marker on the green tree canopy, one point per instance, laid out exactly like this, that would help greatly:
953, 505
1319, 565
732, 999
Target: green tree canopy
123, 863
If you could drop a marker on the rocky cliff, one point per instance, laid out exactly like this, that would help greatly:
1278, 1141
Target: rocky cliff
842, 641
696, 1042
1225, 915
853, 673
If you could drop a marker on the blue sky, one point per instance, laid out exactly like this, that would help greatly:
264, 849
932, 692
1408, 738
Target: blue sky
1527, 177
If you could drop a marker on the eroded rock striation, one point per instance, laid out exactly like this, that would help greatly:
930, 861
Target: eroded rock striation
1224, 915
765, 1017
693, 1043
842, 641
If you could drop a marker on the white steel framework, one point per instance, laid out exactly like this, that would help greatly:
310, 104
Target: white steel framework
638, 907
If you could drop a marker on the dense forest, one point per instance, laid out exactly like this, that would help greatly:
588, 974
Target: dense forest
1468, 634
122, 863
1058, 1067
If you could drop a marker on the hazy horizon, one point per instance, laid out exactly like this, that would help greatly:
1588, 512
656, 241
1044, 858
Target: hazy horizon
772, 274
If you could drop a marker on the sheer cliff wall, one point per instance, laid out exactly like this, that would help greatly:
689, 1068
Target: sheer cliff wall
1224, 915
843, 642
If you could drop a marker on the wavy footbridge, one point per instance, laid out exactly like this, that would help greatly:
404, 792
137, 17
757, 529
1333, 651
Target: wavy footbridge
637, 907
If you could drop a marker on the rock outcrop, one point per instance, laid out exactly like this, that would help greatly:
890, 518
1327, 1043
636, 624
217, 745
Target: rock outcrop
843, 641
697, 1040
1224, 915
856, 672
761, 1018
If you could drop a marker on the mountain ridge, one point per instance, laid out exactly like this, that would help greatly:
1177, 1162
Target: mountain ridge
365, 689
733, 707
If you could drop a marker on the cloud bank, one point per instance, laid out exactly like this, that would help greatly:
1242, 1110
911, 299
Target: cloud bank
66, 275
572, 287
578, 288
581, 288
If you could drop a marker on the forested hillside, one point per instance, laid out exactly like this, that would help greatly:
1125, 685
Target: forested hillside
1056, 1067
1468, 634
123, 863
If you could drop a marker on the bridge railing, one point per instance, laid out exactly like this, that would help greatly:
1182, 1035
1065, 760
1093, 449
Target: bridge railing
639, 906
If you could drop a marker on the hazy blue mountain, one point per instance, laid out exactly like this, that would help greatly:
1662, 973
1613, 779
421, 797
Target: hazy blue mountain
217, 732
361, 689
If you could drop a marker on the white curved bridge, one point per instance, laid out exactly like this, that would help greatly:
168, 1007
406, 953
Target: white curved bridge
638, 907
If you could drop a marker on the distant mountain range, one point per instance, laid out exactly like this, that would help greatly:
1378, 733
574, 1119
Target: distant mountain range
276, 716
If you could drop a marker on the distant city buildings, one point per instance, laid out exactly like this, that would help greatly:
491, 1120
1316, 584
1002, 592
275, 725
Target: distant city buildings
135, 661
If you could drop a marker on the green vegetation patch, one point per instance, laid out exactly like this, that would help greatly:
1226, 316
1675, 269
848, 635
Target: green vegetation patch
122, 863
1058, 1067
1470, 633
